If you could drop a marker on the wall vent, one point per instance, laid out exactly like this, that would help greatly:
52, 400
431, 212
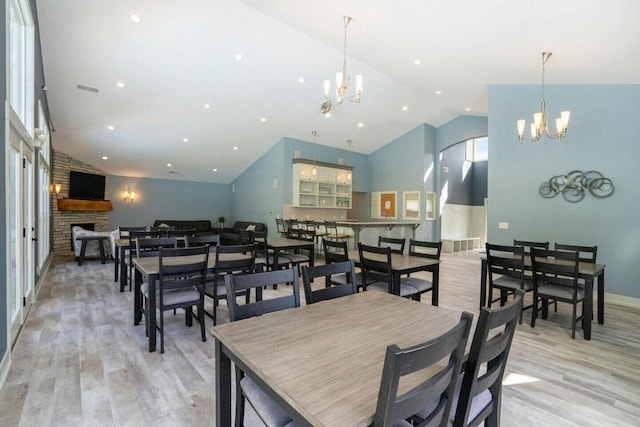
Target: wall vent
88, 88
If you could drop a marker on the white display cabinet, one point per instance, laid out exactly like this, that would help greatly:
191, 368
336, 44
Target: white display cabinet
321, 185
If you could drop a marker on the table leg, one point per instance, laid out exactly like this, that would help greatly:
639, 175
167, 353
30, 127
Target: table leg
83, 248
483, 283
103, 256
123, 269
600, 297
151, 315
436, 279
223, 387
116, 265
587, 315
313, 255
137, 299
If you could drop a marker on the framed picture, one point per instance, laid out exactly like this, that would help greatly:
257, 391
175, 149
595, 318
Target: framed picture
384, 205
411, 205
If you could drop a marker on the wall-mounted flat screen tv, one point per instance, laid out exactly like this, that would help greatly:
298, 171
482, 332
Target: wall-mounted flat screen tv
86, 186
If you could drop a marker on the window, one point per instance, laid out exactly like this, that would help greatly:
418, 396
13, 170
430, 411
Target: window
21, 62
477, 149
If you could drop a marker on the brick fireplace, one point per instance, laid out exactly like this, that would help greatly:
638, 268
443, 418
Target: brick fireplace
64, 220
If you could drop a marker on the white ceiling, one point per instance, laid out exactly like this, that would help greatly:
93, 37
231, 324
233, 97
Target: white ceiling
181, 56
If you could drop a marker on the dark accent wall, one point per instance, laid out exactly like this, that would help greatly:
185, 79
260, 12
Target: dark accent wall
466, 181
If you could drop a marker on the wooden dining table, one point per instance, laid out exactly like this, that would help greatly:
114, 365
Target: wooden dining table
282, 244
150, 267
402, 264
591, 273
322, 363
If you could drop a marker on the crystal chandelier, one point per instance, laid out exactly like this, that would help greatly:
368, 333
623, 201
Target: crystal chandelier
342, 81
540, 123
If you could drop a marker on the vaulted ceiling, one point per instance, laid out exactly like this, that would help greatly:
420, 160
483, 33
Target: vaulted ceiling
182, 55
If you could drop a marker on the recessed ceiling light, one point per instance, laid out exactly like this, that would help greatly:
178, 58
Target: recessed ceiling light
467, 109
135, 18
235, 148
264, 119
360, 124
105, 158
405, 108
120, 85
238, 57
110, 127
185, 139
438, 92
207, 106
327, 115
168, 165
214, 169
417, 61
301, 80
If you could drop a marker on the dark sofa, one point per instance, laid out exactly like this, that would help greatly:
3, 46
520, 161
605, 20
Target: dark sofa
239, 234
201, 226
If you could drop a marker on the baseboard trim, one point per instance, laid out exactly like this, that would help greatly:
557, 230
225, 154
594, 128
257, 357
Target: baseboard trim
621, 300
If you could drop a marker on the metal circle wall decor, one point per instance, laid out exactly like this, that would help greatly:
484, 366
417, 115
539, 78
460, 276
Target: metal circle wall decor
574, 185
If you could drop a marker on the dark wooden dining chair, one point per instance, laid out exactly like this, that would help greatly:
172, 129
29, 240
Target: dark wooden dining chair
179, 285
377, 273
396, 244
281, 227
423, 249
246, 388
479, 391
393, 408
345, 269
302, 256
265, 255
239, 259
134, 235
557, 281
506, 271
336, 251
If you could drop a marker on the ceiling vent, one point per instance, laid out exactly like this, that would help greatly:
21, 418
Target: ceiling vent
88, 88
174, 172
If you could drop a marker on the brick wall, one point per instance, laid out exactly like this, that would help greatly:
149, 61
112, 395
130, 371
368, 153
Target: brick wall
62, 220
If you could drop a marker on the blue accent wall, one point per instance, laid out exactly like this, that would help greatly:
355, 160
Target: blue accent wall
467, 181
255, 199
166, 199
407, 163
602, 136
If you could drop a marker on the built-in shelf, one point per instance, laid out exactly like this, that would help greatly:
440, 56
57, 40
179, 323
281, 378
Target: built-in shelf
84, 205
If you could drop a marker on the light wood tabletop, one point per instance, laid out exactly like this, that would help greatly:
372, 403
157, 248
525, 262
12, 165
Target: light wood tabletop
323, 362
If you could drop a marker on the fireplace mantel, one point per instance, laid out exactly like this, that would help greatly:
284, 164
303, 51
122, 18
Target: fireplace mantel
84, 205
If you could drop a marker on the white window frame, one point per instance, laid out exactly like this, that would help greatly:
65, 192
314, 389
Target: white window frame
21, 63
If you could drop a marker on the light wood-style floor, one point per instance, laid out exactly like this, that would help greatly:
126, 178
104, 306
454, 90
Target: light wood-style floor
80, 361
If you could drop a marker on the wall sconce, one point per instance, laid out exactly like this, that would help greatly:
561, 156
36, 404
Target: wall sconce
129, 195
55, 189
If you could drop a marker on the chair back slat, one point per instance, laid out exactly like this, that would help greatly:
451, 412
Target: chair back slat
527, 245
328, 270
396, 244
425, 249
335, 250
237, 283
439, 387
212, 240
586, 254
